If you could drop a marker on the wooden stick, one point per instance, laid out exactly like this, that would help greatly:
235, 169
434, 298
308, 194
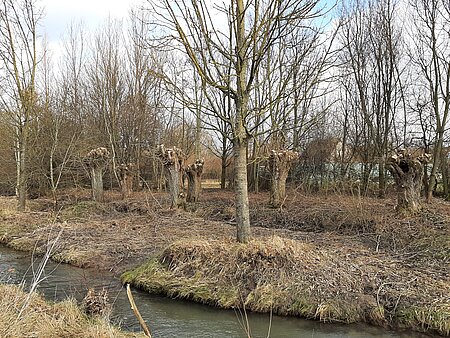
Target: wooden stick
136, 312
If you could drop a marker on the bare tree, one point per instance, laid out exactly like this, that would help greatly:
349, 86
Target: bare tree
371, 56
431, 54
19, 54
106, 81
252, 28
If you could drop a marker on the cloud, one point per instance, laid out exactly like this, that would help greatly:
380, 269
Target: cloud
60, 14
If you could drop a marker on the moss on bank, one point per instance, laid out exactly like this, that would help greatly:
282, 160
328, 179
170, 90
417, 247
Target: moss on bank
299, 279
43, 319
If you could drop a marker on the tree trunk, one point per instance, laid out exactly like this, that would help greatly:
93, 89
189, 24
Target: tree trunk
279, 166
97, 184
408, 195
425, 180
241, 192
172, 173
223, 173
194, 176
381, 180
278, 189
407, 171
194, 187
126, 175
127, 185
98, 159
21, 188
445, 174
172, 159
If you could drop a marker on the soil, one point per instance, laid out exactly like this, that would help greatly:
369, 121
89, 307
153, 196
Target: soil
119, 235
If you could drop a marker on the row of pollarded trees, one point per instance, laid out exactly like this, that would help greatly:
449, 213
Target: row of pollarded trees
175, 171
173, 161
406, 168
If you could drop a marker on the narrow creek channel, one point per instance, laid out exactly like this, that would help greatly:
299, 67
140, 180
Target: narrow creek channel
169, 318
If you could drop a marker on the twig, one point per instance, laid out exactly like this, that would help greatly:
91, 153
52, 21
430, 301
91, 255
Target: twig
136, 312
270, 323
37, 275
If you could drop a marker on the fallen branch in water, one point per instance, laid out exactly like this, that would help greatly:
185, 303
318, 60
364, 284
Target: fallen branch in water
136, 312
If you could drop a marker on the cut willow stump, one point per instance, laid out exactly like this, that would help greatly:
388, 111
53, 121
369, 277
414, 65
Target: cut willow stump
126, 175
172, 159
96, 304
97, 160
280, 163
194, 176
407, 170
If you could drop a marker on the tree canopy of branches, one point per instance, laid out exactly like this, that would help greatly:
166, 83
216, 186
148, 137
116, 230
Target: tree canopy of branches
228, 58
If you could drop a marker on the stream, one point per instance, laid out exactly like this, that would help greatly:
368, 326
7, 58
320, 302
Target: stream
167, 317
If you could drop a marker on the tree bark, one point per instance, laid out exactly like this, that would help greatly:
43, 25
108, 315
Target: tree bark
172, 173
445, 175
381, 180
194, 176
126, 174
172, 159
280, 163
241, 192
407, 171
97, 184
98, 159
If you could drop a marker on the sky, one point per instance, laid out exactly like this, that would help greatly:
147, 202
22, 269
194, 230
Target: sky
58, 14
92, 14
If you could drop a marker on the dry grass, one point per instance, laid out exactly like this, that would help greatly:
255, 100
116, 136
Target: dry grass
401, 264
42, 319
291, 277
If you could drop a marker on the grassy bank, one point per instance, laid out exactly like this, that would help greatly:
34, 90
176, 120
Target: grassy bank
297, 278
44, 319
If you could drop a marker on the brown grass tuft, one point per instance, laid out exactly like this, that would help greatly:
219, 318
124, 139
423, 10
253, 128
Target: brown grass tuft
42, 319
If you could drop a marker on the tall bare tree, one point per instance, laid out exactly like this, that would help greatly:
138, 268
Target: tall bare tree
371, 57
243, 40
106, 75
19, 55
430, 54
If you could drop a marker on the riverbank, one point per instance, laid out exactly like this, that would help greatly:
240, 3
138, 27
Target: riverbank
296, 278
40, 318
342, 258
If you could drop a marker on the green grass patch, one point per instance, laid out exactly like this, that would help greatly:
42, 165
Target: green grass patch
432, 318
85, 210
